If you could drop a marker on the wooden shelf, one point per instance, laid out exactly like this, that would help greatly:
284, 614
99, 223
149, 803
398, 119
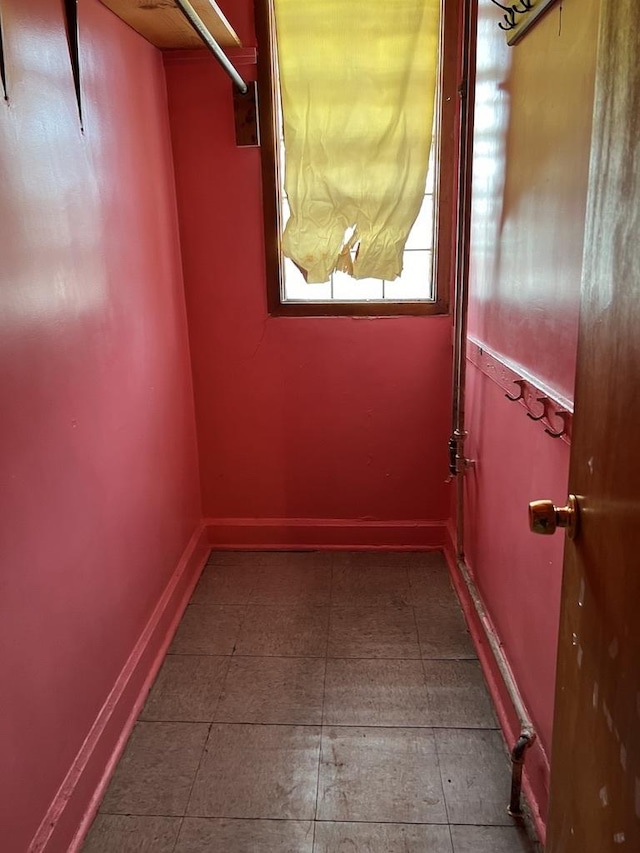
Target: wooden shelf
164, 25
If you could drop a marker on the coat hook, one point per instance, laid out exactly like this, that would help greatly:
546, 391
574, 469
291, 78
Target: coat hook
544, 401
510, 12
521, 383
565, 423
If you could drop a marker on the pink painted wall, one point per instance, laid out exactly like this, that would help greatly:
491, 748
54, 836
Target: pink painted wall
532, 139
99, 481
298, 418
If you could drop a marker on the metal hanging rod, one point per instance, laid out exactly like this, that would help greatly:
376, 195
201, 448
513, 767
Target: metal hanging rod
200, 27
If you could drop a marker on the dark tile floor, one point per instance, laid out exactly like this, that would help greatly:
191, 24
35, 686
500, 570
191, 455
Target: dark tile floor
315, 703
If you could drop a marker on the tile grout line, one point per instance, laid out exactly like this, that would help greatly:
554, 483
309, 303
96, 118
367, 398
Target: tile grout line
239, 632
453, 849
222, 687
307, 820
415, 618
385, 601
175, 843
444, 795
195, 775
324, 696
193, 782
316, 725
426, 687
210, 726
435, 739
317, 657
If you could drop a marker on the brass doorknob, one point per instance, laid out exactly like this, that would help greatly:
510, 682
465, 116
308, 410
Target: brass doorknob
545, 518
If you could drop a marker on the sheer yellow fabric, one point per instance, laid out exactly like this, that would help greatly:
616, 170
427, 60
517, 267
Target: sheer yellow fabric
357, 81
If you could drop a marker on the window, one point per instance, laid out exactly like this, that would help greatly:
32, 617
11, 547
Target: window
423, 287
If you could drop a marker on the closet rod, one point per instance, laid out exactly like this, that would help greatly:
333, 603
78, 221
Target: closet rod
199, 26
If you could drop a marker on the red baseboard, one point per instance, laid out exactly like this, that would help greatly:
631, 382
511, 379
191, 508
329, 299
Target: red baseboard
535, 779
323, 534
73, 808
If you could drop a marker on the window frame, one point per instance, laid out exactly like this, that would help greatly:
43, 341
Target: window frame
445, 188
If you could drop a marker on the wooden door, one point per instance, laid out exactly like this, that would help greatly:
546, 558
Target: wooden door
595, 776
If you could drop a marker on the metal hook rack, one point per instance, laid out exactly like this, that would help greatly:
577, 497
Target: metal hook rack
510, 12
518, 17
565, 418
529, 395
521, 383
545, 403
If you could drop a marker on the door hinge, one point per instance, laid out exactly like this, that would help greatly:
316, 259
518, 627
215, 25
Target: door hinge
458, 462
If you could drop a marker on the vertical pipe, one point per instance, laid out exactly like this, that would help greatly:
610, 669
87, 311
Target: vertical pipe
524, 742
458, 463
465, 159
527, 735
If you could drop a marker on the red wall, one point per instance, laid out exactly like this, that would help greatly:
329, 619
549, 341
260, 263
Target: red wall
531, 157
300, 420
98, 482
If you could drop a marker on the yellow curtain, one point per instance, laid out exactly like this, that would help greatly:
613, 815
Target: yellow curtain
357, 80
